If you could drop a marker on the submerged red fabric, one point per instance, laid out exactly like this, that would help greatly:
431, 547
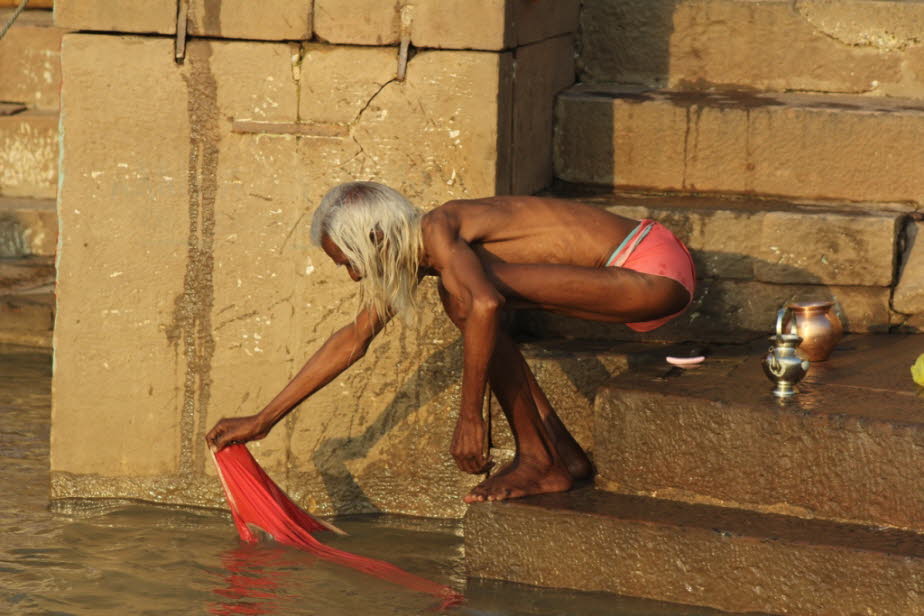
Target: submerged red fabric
256, 500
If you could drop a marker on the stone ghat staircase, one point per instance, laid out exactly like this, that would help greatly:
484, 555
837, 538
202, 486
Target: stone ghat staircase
29, 83
780, 141
711, 493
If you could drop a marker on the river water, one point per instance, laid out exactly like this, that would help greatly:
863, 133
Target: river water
143, 559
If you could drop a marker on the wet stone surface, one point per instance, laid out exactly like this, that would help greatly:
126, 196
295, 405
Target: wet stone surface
847, 447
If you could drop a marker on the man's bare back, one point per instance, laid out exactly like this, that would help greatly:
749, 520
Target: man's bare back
535, 229
490, 255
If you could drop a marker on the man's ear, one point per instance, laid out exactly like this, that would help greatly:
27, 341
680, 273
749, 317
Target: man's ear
376, 236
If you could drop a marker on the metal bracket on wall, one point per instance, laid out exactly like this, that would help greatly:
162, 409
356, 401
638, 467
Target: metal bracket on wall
182, 11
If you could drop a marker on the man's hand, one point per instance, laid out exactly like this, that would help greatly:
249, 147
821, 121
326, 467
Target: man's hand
236, 430
468, 446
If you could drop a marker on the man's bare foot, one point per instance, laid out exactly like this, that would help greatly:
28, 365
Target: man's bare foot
521, 478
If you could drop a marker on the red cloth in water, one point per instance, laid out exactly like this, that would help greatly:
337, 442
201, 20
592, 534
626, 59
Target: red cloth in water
255, 499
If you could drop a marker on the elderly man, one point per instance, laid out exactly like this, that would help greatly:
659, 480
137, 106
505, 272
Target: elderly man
490, 255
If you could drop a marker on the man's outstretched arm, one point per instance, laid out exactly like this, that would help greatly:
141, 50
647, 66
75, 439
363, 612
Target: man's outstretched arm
342, 349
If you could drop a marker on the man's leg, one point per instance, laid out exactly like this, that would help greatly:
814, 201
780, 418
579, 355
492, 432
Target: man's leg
537, 467
571, 452
610, 294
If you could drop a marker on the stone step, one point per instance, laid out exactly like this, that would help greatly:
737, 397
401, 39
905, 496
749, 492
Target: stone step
29, 154
570, 373
27, 318
848, 46
753, 256
801, 146
30, 60
737, 561
28, 227
847, 448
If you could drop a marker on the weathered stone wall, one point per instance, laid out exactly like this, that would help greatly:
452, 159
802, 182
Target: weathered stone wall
187, 290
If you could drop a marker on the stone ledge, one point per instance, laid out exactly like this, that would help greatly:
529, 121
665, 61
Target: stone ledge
847, 448
793, 145
28, 227
696, 555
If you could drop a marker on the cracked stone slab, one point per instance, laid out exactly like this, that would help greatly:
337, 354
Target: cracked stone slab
799, 146
736, 561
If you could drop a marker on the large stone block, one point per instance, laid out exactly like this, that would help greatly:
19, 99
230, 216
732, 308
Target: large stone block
117, 287
219, 302
909, 292
273, 20
30, 70
738, 562
154, 16
358, 22
854, 46
456, 151
848, 447
29, 154
795, 145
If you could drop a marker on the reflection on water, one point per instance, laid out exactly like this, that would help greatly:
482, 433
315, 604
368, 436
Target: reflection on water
106, 558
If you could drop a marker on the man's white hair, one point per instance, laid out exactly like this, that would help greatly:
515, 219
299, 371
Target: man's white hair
378, 230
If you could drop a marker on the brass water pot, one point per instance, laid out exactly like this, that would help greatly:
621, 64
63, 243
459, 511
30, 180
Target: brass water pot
818, 326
